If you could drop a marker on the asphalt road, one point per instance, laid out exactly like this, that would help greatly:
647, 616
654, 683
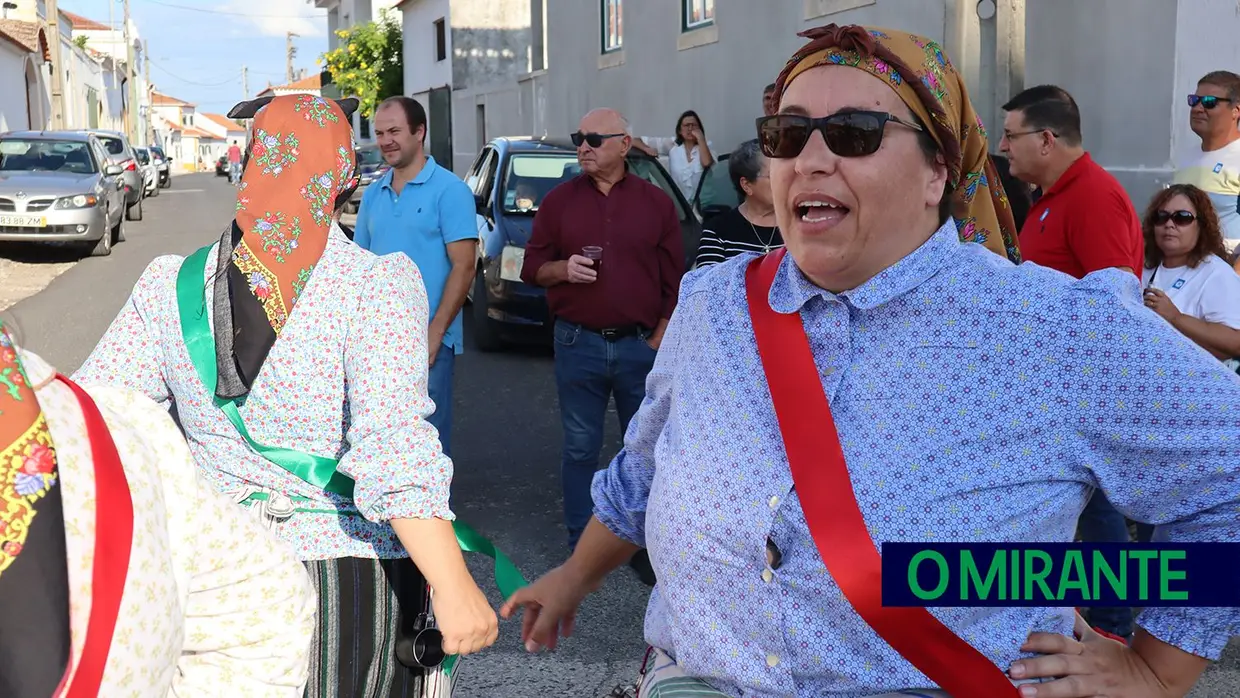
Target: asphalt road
507, 438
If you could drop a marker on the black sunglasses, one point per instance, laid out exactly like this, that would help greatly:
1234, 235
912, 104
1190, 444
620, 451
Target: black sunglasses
1206, 101
1180, 218
593, 140
851, 134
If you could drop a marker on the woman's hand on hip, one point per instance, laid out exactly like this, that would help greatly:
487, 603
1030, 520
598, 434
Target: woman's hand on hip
1091, 667
465, 619
550, 605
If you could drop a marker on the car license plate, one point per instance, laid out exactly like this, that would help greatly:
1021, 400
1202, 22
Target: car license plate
23, 221
510, 261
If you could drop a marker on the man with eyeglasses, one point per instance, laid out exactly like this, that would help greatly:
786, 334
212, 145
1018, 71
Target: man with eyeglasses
1083, 222
1214, 115
608, 322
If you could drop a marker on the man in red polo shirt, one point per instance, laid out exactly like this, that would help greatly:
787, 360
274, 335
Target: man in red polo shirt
1083, 222
607, 246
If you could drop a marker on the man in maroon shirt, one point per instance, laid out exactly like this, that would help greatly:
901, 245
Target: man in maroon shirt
611, 302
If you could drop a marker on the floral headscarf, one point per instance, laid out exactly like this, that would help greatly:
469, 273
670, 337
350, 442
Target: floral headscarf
301, 158
921, 74
34, 571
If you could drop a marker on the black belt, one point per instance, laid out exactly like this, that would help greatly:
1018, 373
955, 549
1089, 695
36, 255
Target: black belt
613, 334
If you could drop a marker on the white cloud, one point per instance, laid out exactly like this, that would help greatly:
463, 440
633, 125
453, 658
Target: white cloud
278, 17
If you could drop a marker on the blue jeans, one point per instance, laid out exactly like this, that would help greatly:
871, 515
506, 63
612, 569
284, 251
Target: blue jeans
588, 371
1100, 522
439, 385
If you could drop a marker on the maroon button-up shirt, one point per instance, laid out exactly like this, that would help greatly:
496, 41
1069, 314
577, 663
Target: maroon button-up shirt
638, 228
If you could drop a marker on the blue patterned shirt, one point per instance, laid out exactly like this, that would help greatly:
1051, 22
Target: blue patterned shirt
975, 401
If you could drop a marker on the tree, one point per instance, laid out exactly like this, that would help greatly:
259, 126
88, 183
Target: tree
368, 63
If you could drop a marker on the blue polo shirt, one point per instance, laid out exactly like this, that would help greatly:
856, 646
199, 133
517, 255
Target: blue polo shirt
434, 209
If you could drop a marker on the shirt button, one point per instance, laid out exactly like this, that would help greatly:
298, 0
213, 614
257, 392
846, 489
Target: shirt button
767, 575
772, 660
774, 502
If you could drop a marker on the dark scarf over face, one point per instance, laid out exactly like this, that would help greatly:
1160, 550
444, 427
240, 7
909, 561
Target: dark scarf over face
299, 163
35, 635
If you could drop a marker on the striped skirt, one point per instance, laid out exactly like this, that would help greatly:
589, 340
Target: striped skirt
365, 606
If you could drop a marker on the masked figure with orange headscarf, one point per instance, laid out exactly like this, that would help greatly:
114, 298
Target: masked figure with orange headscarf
122, 571
296, 362
893, 376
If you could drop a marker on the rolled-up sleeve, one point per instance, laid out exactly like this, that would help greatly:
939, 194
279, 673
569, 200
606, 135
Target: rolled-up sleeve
1163, 438
620, 492
394, 456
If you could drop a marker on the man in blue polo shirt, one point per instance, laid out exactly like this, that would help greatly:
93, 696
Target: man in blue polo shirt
426, 212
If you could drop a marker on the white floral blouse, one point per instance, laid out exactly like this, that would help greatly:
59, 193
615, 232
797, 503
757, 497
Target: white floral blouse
346, 379
212, 604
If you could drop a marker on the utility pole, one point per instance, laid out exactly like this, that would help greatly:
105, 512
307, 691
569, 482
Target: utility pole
57, 77
292, 53
146, 69
245, 82
131, 85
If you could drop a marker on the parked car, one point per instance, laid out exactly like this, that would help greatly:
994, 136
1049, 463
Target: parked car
120, 153
150, 174
371, 166
163, 165
58, 186
715, 193
509, 180
221, 166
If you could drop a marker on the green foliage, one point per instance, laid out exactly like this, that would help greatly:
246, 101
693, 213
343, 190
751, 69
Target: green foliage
368, 63
80, 41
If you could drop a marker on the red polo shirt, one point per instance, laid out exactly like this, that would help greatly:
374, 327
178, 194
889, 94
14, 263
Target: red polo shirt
1083, 223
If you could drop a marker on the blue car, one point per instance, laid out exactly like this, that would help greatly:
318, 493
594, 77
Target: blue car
509, 180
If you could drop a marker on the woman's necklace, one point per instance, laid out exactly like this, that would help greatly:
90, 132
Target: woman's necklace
767, 243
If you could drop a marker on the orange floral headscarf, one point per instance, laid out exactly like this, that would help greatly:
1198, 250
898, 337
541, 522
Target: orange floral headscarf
27, 457
287, 197
921, 74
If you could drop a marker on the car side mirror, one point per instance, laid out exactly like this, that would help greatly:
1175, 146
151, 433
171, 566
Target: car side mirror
113, 170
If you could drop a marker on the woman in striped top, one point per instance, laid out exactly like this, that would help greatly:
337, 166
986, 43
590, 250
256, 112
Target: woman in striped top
750, 227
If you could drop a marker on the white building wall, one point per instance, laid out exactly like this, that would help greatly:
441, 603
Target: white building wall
422, 70
13, 95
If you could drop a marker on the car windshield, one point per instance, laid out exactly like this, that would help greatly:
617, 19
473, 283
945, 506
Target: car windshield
531, 175
370, 157
716, 193
157, 152
143, 156
45, 156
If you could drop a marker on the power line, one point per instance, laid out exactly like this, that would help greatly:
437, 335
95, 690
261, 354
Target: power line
208, 11
229, 81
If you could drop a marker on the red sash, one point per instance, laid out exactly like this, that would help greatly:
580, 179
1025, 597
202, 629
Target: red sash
113, 542
835, 522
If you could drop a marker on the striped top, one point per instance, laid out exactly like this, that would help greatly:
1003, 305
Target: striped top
1217, 172
730, 233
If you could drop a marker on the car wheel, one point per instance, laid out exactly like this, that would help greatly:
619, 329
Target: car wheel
154, 191
103, 247
134, 213
118, 231
486, 334
166, 182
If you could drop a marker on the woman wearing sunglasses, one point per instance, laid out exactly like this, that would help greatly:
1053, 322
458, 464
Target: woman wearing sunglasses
1186, 279
892, 376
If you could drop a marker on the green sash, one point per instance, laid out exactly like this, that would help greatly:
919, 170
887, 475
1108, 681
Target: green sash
316, 470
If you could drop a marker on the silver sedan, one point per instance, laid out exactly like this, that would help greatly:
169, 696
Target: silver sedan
60, 187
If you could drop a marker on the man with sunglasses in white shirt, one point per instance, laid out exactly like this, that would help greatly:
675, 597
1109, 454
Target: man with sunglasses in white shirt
1214, 115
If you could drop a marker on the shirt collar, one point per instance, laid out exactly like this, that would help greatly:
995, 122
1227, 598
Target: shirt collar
423, 176
791, 289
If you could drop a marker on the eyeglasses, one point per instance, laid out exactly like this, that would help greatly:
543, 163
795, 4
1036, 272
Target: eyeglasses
593, 140
1206, 101
1180, 218
850, 134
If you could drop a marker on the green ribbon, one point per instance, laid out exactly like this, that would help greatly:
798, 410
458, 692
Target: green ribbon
315, 470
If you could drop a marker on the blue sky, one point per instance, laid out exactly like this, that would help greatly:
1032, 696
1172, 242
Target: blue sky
197, 47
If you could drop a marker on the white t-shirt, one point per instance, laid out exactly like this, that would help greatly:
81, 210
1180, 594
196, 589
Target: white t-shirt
684, 164
1217, 173
1210, 291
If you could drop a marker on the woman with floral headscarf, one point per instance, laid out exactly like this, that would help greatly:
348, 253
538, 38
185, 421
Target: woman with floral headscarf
122, 571
296, 362
892, 376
